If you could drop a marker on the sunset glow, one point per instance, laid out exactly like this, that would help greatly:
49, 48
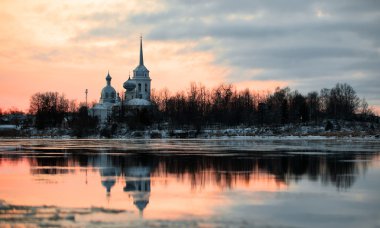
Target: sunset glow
69, 47
57, 56
170, 197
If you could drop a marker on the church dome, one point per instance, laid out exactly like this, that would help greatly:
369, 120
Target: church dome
129, 85
108, 92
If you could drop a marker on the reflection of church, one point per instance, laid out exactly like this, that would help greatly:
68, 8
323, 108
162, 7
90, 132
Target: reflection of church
138, 186
108, 172
137, 180
137, 92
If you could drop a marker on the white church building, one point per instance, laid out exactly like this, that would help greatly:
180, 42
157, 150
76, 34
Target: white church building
137, 92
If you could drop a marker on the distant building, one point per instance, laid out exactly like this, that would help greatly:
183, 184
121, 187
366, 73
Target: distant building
137, 92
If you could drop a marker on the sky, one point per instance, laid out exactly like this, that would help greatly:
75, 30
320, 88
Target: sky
68, 46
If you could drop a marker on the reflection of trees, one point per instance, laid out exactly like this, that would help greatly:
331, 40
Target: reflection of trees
339, 169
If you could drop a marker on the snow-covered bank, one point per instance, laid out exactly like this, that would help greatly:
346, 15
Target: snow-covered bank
337, 129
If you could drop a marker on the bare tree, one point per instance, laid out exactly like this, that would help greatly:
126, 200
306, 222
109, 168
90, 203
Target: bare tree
49, 108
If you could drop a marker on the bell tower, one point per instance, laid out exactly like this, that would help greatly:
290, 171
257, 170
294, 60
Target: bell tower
141, 77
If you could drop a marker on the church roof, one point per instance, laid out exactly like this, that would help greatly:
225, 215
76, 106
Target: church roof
141, 68
138, 102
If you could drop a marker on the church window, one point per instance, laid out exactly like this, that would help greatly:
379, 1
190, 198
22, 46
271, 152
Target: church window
139, 87
106, 95
146, 87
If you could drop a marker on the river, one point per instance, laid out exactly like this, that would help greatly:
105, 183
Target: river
240, 182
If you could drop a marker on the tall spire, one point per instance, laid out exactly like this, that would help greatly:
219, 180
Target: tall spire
141, 53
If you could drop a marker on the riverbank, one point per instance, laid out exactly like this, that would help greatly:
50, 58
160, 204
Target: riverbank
324, 129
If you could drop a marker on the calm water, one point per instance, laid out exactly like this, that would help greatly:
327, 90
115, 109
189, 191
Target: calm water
236, 182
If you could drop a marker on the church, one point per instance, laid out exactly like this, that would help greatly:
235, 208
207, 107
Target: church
136, 95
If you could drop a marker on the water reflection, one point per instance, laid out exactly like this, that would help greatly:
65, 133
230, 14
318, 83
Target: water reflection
339, 169
108, 172
144, 177
137, 184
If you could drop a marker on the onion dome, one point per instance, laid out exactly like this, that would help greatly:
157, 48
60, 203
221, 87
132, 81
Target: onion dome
129, 85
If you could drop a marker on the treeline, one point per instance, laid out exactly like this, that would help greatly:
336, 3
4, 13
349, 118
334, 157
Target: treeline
52, 109
226, 105
199, 107
14, 116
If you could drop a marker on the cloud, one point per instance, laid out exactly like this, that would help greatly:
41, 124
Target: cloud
307, 45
